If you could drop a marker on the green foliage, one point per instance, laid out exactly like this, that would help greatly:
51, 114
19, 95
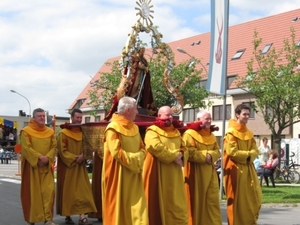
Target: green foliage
103, 90
281, 194
186, 78
273, 79
182, 76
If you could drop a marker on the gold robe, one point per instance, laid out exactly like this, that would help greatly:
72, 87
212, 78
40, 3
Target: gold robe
201, 179
242, 188
123, 196
37, 184
74, 193
163, 178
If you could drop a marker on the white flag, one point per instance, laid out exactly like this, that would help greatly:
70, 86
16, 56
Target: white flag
218, 49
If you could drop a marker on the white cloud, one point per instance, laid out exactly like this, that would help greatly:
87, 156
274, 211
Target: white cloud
49, 49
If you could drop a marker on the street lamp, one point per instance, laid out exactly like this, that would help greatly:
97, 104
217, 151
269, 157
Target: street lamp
193, 60
13, 91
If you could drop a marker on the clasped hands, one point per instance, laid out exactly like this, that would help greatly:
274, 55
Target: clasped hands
79, 159
43, 160
179, 159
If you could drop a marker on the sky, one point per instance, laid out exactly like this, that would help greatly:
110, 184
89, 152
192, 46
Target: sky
50, 50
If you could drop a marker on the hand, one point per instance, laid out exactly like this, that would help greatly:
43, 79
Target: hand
208, 159
43, 160
178, 159
79, 159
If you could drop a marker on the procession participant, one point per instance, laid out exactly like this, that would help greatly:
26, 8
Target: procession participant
74, 193
202, 184
123, 196
163, 176
37, 183
242, 188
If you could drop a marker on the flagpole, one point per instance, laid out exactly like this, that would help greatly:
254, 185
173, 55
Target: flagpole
224, 103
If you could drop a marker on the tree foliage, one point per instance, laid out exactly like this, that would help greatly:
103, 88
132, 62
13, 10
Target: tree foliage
187, 78
273, 79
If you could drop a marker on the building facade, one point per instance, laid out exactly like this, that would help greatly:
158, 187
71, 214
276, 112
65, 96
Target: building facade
273, 30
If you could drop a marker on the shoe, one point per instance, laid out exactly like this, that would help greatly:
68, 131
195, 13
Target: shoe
84, 221
50, 222
68, 220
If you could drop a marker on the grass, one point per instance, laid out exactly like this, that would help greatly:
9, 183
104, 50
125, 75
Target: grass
281, 194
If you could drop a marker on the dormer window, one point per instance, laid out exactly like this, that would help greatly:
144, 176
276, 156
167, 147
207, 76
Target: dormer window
266, 48
238, 54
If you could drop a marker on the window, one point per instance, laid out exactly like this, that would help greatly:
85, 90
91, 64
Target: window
238, 54
298, 44
190, 114
266, 48
87, 119
218, 112
252, 112
79, 103
97, 118
230, 81
202, 83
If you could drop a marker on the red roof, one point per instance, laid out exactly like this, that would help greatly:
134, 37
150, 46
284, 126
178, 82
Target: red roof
273, 29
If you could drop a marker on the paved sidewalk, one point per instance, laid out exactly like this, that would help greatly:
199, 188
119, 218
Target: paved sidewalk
12, 169
270, 214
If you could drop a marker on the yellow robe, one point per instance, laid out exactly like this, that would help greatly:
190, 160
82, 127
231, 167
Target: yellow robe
74, 192
37, 184
163, 178
201, 179
242, 188
123, 196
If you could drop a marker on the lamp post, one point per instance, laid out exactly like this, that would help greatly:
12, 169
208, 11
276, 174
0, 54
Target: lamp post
193, 60
13, 91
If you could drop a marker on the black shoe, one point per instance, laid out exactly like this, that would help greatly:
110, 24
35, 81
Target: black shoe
68, 220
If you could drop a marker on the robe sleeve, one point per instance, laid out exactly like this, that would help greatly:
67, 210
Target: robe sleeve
68, 158
215, 152
52, 152
194, 154
158, 149
134, 161
28, 152
240, 155
185, 151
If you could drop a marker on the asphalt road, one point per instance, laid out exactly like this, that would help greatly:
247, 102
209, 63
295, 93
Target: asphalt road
11, 209
10, 205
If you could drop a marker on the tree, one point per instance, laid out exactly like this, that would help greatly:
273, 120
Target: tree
186, 78
274, 80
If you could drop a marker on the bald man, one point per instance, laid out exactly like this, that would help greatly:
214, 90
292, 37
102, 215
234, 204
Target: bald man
163, 176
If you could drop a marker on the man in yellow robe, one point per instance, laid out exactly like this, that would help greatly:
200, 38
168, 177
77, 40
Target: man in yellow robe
74, 193
37, 184
123, 196
201, 179
242, 188
163, 176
